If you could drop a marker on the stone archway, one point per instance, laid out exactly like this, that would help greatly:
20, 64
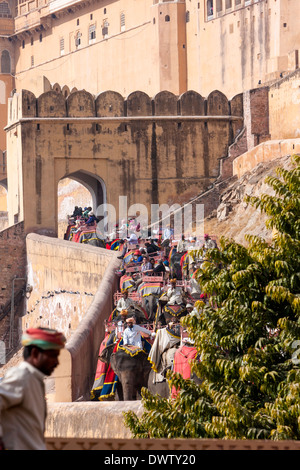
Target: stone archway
94, 184
88, 190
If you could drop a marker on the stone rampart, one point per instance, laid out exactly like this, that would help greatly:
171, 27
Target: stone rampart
264, 152
111, 104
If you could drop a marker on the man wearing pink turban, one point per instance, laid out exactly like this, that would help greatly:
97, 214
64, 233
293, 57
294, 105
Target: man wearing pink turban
22, 392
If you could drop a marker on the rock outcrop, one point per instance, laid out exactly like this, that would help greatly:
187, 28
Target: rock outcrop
234, 218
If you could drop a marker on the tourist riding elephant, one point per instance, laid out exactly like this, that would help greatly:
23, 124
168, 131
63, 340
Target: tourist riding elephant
131, 367
175, 265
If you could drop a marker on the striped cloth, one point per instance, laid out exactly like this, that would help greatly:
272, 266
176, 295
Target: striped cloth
43, 338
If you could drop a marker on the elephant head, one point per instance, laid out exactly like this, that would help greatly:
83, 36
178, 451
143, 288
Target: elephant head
132, 371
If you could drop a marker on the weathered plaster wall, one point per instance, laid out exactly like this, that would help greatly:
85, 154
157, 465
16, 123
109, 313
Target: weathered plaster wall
284, 102
65, 277
90, 420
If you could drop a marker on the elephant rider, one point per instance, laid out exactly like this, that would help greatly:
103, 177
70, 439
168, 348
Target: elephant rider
146, 265
125, 303
132, 334
208, 243
119, 322
174, 294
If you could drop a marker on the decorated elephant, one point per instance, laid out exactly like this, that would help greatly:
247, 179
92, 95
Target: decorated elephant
169, 313
90, 237
128, 371
157, 382
178, 359
161, 357
150, 293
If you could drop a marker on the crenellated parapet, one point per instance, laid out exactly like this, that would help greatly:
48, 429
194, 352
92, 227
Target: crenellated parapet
110, 104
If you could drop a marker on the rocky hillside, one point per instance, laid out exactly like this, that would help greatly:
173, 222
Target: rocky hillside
234, 218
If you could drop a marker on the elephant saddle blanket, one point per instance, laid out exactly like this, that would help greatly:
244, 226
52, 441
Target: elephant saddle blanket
131, 349
174, 310
106, 380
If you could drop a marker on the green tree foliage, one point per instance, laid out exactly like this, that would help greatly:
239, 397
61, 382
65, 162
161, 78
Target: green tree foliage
247, 337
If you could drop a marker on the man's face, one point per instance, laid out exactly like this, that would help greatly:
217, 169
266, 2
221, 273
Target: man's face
46, 361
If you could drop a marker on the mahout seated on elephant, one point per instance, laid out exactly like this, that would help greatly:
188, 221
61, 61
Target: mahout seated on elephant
128, 365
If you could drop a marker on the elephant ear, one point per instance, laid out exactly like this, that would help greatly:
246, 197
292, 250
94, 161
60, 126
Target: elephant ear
106, 353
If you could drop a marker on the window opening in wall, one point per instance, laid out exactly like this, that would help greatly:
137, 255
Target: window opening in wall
122, 21
209, 9
238, 2
187, 17
92, 33
105, 28
5, 62
23, 44
78, 39
219, 7
4, 10
91, 16
41, 37
62, 46
32, 61
228, 4
167, 18
77, 22
31, 40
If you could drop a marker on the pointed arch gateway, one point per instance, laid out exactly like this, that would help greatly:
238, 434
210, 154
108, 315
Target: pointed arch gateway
94, 184
95, 195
